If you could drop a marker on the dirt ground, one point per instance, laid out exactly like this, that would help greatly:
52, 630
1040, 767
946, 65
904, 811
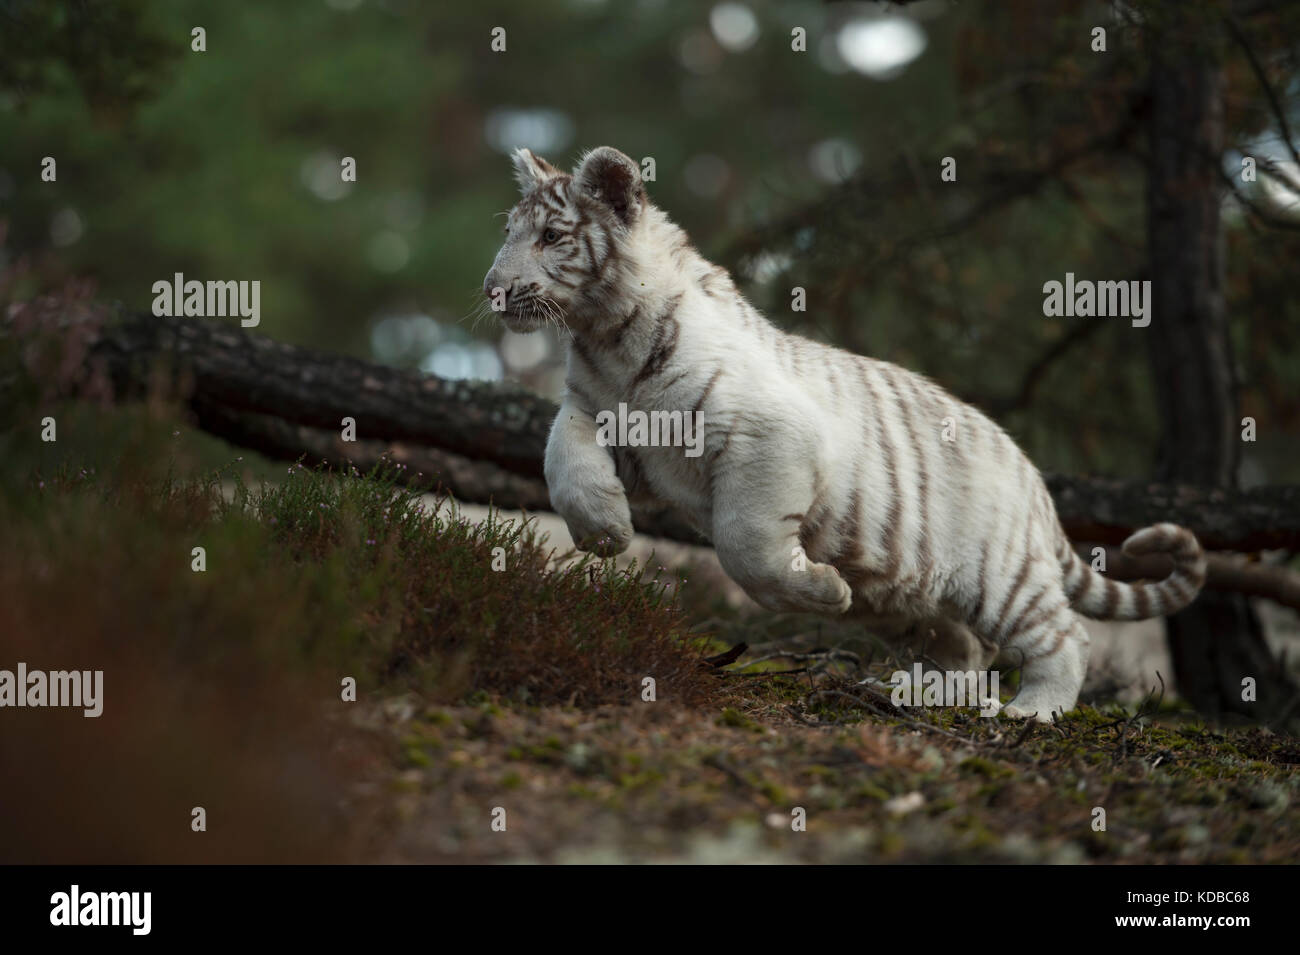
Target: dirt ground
810, 766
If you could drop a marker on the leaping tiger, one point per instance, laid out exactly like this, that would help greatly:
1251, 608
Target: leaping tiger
828, 481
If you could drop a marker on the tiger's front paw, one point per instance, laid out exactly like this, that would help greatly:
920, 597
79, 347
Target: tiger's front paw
605, 542
1038, 712
599, 519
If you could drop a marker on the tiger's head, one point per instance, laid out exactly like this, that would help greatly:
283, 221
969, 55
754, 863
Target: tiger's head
565, 239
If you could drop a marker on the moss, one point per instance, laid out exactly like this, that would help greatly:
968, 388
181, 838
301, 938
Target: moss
416, 755
977, 835
401, 784
643, 780
871, 791
891, 844
817, 771
733, 717
773, 792
985, 767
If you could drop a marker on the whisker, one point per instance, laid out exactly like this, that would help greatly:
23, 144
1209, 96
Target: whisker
476, 310
558, 313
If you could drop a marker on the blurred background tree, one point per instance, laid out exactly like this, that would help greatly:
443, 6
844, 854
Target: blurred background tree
816, 168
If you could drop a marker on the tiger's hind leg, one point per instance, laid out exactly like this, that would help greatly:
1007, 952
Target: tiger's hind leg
757, 505
1053, 650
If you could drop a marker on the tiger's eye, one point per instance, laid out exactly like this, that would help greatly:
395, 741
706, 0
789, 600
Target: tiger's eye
550, 235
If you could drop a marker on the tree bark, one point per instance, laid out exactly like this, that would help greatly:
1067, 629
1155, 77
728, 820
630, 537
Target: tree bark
230, 368
1217, 642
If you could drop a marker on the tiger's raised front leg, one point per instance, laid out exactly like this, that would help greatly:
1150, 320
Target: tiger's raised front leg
584, 487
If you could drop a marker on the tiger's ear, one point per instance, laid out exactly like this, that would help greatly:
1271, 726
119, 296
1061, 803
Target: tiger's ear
612, 178
531, 170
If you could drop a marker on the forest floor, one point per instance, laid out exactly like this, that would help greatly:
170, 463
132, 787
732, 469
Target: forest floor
763, 781
333, 670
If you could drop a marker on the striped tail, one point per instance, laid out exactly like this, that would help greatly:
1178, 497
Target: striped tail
1101, 598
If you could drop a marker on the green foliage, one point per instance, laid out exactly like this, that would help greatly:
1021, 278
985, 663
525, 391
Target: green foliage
207, 177
204, 163
110, 52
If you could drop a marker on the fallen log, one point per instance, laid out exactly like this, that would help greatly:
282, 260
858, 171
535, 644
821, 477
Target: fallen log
485, 440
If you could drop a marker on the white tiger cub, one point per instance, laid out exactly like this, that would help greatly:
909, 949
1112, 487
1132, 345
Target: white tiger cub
827, 480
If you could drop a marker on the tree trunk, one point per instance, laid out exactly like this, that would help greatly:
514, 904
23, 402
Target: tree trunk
1217, 642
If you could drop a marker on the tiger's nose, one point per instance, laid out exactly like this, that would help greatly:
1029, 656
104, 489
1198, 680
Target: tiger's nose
491, 283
